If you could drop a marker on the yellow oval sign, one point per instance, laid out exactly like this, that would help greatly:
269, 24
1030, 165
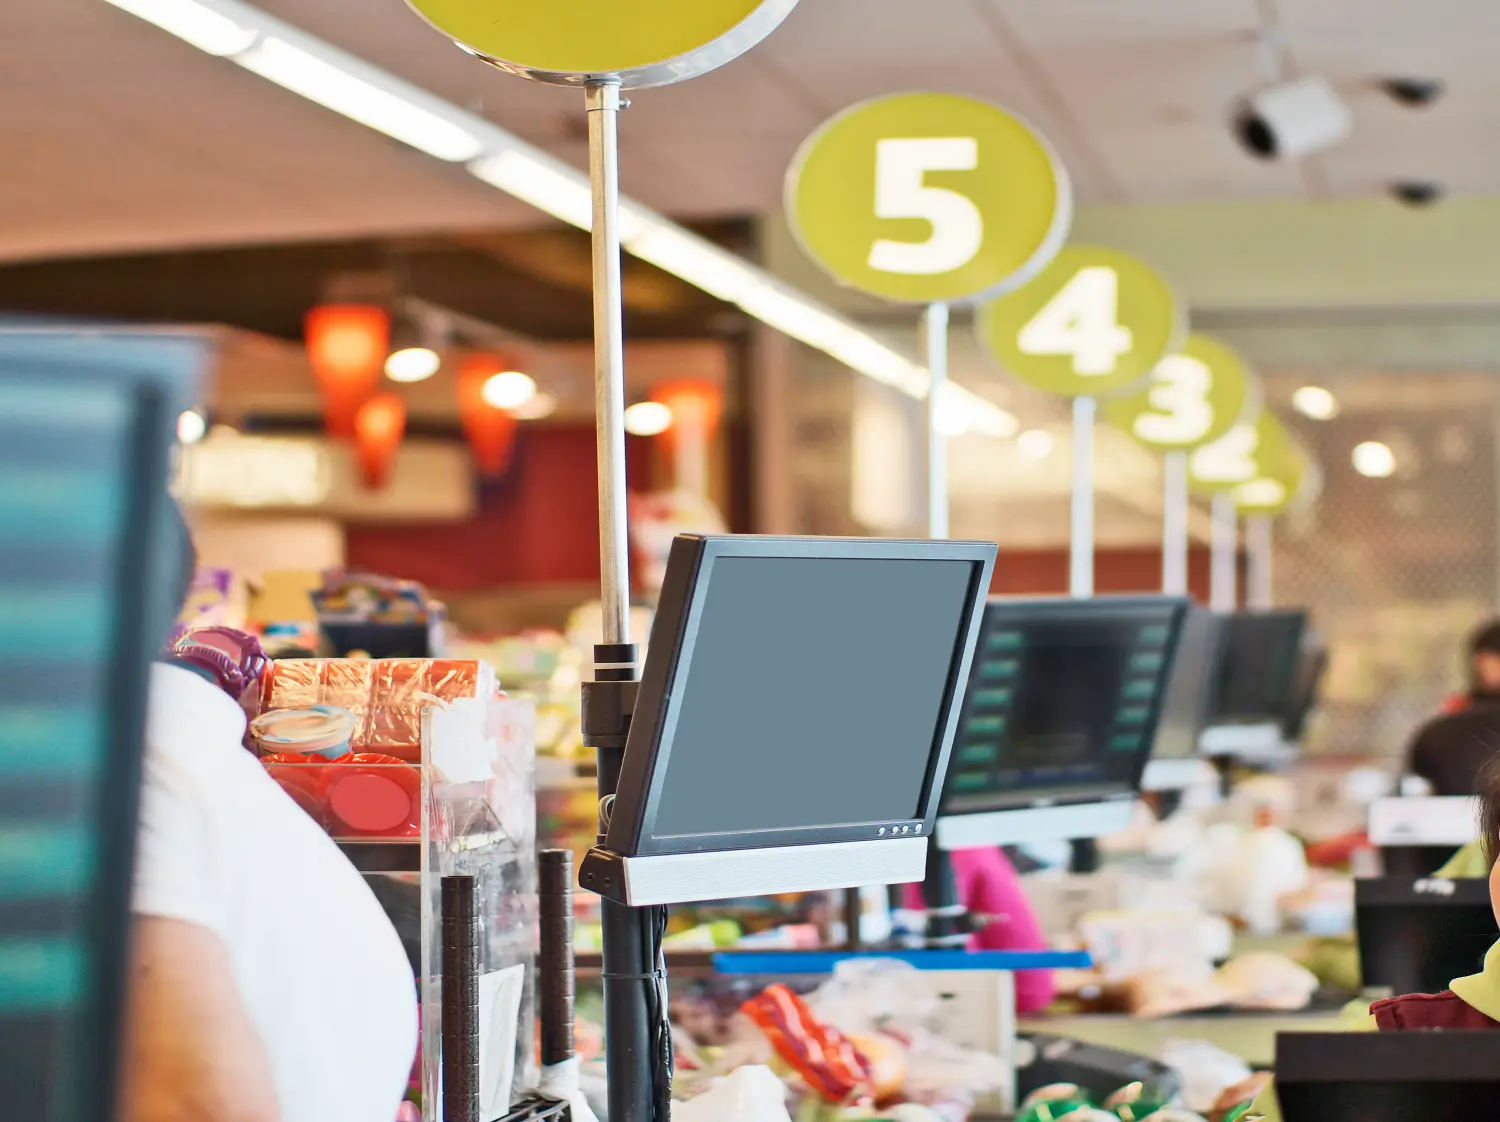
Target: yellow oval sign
928, 198
1255, 461
640, 42
1095, 322
1191, 398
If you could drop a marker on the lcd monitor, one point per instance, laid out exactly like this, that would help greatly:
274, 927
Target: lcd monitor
1388, 1076
1312, 668
1255, 686
1059, 719
1417, 935
1175, 762
86, 556
794, 718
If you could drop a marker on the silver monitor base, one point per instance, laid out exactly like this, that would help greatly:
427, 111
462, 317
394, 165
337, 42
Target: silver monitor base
683, 878
1034, 824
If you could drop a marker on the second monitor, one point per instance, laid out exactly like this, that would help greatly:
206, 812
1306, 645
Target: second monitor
1059, 719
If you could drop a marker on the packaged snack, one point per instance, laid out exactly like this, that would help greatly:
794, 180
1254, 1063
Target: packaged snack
825, 1058
320, 730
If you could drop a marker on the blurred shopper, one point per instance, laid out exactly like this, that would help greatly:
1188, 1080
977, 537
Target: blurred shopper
267, 984
989, 886
1449, 752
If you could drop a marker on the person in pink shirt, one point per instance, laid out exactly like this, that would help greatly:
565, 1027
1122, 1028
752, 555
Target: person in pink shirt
988, 885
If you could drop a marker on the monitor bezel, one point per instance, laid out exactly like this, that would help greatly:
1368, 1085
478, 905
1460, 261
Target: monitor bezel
1027, 608
1272, 716
160, 371
678, 615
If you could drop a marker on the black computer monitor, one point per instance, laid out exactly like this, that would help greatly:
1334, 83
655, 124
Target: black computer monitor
794, 719
1417, 935
1191, 687
1388, 1077
1257, 674
1312, 668
1060, 717
86, 543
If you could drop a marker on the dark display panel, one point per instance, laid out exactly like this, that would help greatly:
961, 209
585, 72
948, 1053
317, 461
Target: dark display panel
1063, 701
813, 694
1258, 667
83, 605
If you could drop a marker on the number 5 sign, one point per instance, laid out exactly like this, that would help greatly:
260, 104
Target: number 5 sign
1095, 322
928, 198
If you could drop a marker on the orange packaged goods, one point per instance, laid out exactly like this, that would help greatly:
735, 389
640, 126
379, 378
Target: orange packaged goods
386, 696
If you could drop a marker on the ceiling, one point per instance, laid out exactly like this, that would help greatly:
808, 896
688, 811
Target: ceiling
119, 137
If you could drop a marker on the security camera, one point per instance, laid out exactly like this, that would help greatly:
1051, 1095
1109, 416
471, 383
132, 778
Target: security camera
1414, 93
1416, 192
1292, 120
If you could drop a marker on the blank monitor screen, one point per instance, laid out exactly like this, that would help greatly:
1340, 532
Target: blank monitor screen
1417, 935
779, 725
1063, 702
83, 605
806, 693
1258, 667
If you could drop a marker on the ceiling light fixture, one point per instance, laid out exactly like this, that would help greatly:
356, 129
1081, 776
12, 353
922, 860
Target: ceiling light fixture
540, 406
509, 390
413, 364
348, 85
1315, 403
192, 426
648, 418
1374, 460
1036, 444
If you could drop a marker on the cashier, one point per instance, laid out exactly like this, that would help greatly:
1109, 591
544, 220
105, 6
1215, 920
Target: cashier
1449, 751
1468, 1003
266, 983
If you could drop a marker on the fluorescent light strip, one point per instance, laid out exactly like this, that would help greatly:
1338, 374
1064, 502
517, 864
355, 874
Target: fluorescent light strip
348, 85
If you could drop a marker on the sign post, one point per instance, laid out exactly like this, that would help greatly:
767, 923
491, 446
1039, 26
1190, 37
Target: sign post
930, 199
1192, 398
1252, 468
606, 49
1094, 323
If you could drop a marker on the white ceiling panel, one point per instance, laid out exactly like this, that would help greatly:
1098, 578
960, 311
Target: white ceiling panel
117, 136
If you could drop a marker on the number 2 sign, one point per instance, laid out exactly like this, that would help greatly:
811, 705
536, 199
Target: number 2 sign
1094, 322
928, 198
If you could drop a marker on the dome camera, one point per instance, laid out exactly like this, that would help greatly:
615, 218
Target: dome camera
1292, 120
1416, 193
1414, 93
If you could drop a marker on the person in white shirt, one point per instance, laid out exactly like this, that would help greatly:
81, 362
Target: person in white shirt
267, 984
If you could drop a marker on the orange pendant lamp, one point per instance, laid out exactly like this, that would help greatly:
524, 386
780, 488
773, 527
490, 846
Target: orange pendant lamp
379, 427
347, 345
697, 407
491, 431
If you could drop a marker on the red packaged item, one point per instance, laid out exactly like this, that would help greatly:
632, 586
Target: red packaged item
825, 1058
371, 795
386, 696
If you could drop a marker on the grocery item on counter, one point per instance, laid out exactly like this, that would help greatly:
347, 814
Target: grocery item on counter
352, 596
825, 1059
320, 730
357, 795
1056, 1100
386, 696
235, 659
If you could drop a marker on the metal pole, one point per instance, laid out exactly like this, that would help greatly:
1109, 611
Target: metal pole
935, 327
1081, 570
1260, 580
604, 104
1174, 524
627, 952
1223, 593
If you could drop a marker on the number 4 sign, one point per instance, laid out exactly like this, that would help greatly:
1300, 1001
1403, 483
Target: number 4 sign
928, 198
1095, 322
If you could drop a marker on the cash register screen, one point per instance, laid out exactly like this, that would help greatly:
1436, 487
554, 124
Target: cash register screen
83, 471
1258, 667
1063, 702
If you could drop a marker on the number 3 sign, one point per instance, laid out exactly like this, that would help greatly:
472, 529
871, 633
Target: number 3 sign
1095, 322
928, 198
1192, 398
